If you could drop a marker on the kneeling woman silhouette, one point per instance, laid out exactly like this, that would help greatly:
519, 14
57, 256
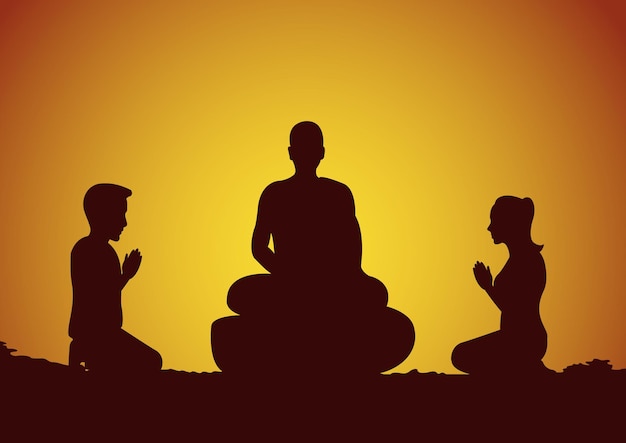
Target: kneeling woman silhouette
520, 344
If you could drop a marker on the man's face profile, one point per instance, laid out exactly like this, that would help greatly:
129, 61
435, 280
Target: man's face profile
117, 221
111, 220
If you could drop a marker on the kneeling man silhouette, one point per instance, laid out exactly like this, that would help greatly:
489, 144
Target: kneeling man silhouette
97, 282
316, 310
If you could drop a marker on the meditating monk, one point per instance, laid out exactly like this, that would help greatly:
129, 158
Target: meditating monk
521, 342
97, 282
316, 308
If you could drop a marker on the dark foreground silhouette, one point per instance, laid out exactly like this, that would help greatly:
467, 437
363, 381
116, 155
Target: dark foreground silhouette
46, 401
317, 309
97, 282
521, 342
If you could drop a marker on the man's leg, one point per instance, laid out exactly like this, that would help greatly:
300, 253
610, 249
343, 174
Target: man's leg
135, 355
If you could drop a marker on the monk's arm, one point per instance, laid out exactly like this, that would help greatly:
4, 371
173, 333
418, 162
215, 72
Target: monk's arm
352, 235
356, 243
261, 237
261, 250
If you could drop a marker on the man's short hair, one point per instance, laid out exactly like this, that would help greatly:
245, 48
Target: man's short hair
103, 198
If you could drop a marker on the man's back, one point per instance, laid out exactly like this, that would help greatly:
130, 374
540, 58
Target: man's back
96, 284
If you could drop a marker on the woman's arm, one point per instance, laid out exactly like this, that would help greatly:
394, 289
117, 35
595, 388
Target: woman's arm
485, 280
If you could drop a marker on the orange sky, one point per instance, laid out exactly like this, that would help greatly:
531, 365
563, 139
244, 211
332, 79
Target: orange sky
431, 110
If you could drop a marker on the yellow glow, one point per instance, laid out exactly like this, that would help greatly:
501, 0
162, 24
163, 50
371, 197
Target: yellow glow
430, 111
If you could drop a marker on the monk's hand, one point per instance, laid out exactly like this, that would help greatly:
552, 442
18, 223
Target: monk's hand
483, 275
131, 264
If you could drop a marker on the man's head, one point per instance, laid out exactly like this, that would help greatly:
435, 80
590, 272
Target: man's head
105, 208
306, 145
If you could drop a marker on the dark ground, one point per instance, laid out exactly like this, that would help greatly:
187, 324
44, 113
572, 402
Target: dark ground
42, 400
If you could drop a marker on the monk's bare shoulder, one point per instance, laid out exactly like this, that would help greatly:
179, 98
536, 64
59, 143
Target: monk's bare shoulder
275, 190
337, 189
277, 185
335, 184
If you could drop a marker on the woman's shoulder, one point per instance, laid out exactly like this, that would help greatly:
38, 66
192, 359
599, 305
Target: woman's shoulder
532, 265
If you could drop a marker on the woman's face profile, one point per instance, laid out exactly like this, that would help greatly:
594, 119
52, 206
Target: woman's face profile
497, 227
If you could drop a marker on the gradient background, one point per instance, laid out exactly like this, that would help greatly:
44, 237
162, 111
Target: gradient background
430, 111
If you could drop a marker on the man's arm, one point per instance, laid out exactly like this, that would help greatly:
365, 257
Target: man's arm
130, 266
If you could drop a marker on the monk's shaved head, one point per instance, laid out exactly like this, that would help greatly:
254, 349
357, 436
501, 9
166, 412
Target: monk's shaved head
306, 134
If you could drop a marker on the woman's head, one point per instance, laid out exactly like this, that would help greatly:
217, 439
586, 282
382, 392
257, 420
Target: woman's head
511, 220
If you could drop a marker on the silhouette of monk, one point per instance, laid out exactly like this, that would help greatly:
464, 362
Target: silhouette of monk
97, 282
316, 309
520, 344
